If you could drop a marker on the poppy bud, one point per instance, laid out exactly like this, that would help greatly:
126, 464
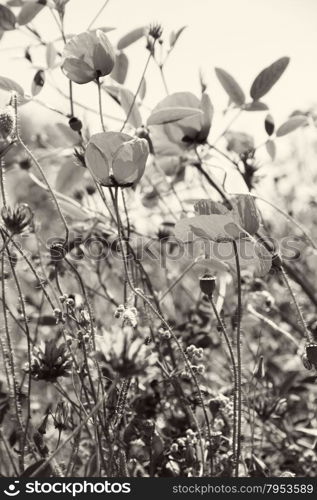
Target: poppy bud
88, 56
207, 284
7, 122
307, 364
165, 230
311, 353
90, 189
75, 124
116, 159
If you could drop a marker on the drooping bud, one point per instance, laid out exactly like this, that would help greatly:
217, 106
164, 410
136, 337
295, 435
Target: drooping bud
259, 371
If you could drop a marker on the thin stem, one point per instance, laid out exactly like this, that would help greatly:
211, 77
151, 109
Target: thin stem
288, 217
307, 333
140, 294
98, 14
138, 89
235, 375
163, 78
32, 157
238, 348
74, 433
100, 105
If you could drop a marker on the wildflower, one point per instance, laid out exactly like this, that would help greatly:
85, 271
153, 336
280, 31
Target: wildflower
165, 333
17, 219
217, 227
88, 56
60, 6
61, 416
116, 159
287, 473
174, 448
155, 31
129, 317
171, 139
281, 407
7, 122
50, 363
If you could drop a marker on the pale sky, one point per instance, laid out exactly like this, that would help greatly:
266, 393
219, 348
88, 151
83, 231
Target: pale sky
241, 36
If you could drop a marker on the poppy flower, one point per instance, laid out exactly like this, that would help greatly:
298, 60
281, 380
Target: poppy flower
173, 138
88, 56
116, 159
217, 226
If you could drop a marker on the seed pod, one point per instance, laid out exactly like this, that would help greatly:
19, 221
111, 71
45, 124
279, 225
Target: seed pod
75, 124
307, 364
311, 353
207, 284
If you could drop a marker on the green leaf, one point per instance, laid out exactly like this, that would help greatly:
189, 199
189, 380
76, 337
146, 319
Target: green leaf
290, 125
247, 216
7, 19
230, 85
142, 91
255, 106
51, 55
11, 86
38, 82
170, 115
271, 148
174, 36
131, 37
120, 70
208, 113
28, 12
30, 471
268, 77
269, 124
126, 98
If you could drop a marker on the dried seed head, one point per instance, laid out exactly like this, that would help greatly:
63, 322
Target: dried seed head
155, 31
17, 219
207, 284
